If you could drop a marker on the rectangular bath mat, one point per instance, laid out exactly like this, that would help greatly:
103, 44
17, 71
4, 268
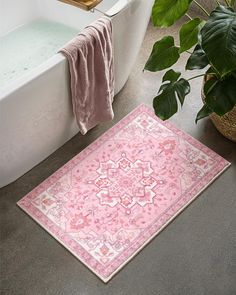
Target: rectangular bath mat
110, 200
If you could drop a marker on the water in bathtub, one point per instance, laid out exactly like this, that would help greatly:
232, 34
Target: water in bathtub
29, 46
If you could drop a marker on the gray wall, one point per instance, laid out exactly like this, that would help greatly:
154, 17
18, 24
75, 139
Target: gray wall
209, 5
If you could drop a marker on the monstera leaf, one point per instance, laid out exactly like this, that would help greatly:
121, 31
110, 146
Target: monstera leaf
165, 103
197, 60
188, 34
205, 111
219, 39
166, 12
221, 94
164, 55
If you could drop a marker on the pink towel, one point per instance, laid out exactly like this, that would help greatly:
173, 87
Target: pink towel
90, 57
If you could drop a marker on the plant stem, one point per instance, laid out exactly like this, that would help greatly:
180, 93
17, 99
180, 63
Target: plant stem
227, 2
188, 16
196, 77
218, 3
201, 76
185, 50
201, 7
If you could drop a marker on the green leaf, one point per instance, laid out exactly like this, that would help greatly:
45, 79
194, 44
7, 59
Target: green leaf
188, 34
165, 103
204, 112
221, 96
197, 60
164, 55
171, 75
166, 12
209, 85
182, 88
219, 39
163, 87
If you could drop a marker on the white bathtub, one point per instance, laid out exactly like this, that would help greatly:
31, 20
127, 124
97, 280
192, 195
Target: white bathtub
35, 109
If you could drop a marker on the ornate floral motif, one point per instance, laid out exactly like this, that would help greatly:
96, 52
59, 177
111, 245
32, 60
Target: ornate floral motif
168, 146
125, 182
78, 221
108, 201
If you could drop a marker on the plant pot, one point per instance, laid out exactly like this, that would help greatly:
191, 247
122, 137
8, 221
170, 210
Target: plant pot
225, 124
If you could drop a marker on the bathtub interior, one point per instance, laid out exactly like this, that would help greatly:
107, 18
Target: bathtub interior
29, 46
14, 13
35, 32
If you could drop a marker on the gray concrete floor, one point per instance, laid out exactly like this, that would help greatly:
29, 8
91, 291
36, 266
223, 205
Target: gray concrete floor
195, 254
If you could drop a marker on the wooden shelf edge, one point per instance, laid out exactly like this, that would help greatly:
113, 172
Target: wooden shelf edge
85, 5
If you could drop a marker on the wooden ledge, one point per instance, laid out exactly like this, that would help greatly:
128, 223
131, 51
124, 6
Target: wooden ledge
83, 4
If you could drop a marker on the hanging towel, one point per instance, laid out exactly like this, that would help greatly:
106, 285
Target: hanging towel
90, 57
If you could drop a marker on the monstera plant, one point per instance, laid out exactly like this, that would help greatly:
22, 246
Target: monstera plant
211, 44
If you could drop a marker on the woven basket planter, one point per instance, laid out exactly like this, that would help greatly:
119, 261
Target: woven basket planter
225, 124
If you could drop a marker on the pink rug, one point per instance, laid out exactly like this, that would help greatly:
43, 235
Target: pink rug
115, 196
